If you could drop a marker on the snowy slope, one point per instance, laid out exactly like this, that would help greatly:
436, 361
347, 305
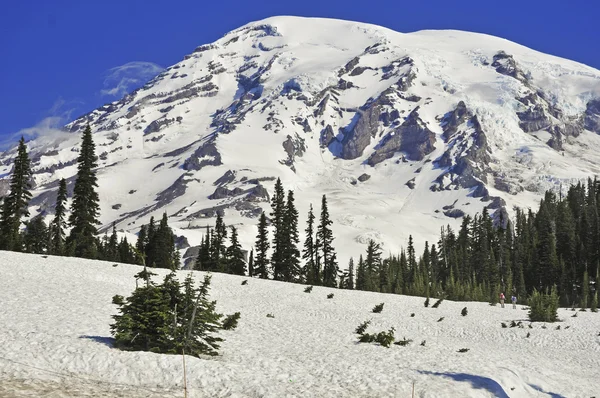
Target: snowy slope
439, 121
54, 341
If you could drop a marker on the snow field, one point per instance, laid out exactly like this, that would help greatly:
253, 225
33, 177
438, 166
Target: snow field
55, 341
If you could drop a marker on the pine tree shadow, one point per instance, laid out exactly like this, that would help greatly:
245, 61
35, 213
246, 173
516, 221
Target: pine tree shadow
108, 341
478, 382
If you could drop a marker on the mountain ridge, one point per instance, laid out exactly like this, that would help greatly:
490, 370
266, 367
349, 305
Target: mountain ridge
404, 132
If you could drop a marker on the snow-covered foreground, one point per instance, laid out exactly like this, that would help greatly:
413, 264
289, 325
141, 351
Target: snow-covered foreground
55, 342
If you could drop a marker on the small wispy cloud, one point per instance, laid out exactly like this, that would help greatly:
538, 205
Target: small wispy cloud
122, 79
47, 131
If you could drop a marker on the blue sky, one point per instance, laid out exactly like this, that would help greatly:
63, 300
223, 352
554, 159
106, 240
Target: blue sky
62, 58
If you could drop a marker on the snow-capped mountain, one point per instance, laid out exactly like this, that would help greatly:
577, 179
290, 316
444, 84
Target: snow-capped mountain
404, 133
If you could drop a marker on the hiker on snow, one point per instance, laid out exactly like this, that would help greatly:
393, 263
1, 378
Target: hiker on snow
514, 302
502, 299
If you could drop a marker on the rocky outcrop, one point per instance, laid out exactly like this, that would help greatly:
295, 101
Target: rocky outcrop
327, 136
206, 155
226, 178
349, 66
468, 155
592, 116
363, 177
534, 119
364, 126
454, 213
411, 137
452, 120
176, 190
258, 194
506, 65
294, 147
223, 193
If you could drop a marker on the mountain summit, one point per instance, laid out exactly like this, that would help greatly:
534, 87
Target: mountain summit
404, 133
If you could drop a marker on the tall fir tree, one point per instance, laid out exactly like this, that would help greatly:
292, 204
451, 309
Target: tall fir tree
291, 271
203, 262
218, 249
251, 263
280, 239
235, 256
325, 237
59, 223
165, 254
311, 273
261, 263
85, 208
16, 202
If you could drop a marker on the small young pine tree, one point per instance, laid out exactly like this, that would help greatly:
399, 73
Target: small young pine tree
543, 307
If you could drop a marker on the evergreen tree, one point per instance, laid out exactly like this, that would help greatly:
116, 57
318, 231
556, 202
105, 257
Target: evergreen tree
59, 223
140, 244
165, 253
291, 271
168, 318
15, 203
150, 249
235, 257
325, 237
262, 247
361, 275
251, 263
372, 265
111, 251
350, 276
204, 262
85, 207
36, 235
280, 239
218, 249
310, 269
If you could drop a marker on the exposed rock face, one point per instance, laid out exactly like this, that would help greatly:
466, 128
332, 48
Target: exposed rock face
181, 242
294, 147
505, 64
222, 193
258, 194
364, 126
205, 155
592, 116
533, 119
467, 165
226, 178
454, 213
176, 190
327, 136
412, 137
454, 119
411, 183
364, 177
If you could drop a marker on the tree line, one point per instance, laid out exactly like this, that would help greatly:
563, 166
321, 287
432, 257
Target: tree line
555, 246
278, 258
558, 245
155, 244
